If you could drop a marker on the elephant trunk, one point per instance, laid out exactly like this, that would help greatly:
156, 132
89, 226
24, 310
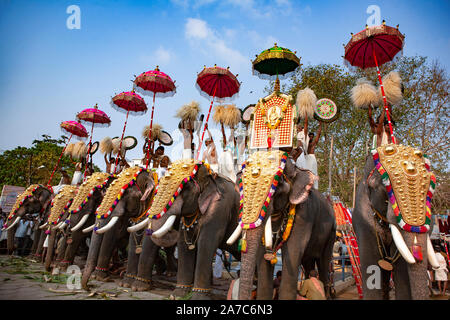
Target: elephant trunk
10, 240
91, 262
418, 271
248, 262
50, 250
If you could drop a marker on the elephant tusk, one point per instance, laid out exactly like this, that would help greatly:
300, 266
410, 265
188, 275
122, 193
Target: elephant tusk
431, 254
13, 224
80, 223
268, 233
235, 235
63, 225
165, 228
43, 226
138, 226
89, 229
58, 226
110, 224
401, 245
46, 242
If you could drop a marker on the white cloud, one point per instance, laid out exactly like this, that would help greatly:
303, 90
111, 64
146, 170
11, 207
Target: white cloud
201, 35
197, 29
161, 56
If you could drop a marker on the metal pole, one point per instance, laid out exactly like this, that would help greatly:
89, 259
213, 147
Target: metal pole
330, 166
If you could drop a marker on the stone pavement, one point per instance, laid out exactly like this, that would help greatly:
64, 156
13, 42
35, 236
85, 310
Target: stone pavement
24, 279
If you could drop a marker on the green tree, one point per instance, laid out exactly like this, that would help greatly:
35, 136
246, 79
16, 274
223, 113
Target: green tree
24, 166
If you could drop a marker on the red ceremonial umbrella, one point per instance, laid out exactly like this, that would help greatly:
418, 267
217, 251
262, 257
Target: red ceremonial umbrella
72, 128
130, 103
372, 47
158, 84
216, 83
98, 118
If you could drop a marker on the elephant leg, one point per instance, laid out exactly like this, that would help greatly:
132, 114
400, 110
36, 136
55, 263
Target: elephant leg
324, 265
145, 266
171, 261
133, 260
160, 264
71, 249
106, 251
61, 250
37, 235
185, 273
207, 244
40, 247
292, 253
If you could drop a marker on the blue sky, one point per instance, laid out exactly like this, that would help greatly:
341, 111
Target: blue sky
48, 72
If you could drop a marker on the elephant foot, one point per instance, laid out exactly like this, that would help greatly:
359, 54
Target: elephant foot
181, 291
201, 294
127, 281
101, 275
141, 284
63, 266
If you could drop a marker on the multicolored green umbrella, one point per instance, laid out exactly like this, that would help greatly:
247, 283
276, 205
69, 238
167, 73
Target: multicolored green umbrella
275, 62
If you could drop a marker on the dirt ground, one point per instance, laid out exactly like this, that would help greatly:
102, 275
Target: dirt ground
26, 279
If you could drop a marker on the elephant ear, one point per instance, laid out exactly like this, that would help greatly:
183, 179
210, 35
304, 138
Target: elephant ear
147, 185
301, 185
209, 189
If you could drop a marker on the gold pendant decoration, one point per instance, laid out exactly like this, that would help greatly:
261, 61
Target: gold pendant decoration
258, 183
138, 249
87, 188
385, 265
191, 246
409, 183
60, 202
69, 240
169, 186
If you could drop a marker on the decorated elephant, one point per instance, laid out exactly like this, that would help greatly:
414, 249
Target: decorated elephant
204, 206
36, 198
392, 219
279, 209
59, 207
81, 213
121, 202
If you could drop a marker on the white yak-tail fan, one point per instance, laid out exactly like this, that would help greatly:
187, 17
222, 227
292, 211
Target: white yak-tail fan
156, 131
392, 84
364, 94
306, 100
106, 145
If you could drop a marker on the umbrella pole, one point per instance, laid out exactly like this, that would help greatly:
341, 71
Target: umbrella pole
204, 127
89, 151
120, 145
57, 164
150, 132
384, 98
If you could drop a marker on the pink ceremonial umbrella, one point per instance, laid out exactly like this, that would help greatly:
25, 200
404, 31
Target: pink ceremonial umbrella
216, 83
128, 102
72, 128
97, 118
158, 84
